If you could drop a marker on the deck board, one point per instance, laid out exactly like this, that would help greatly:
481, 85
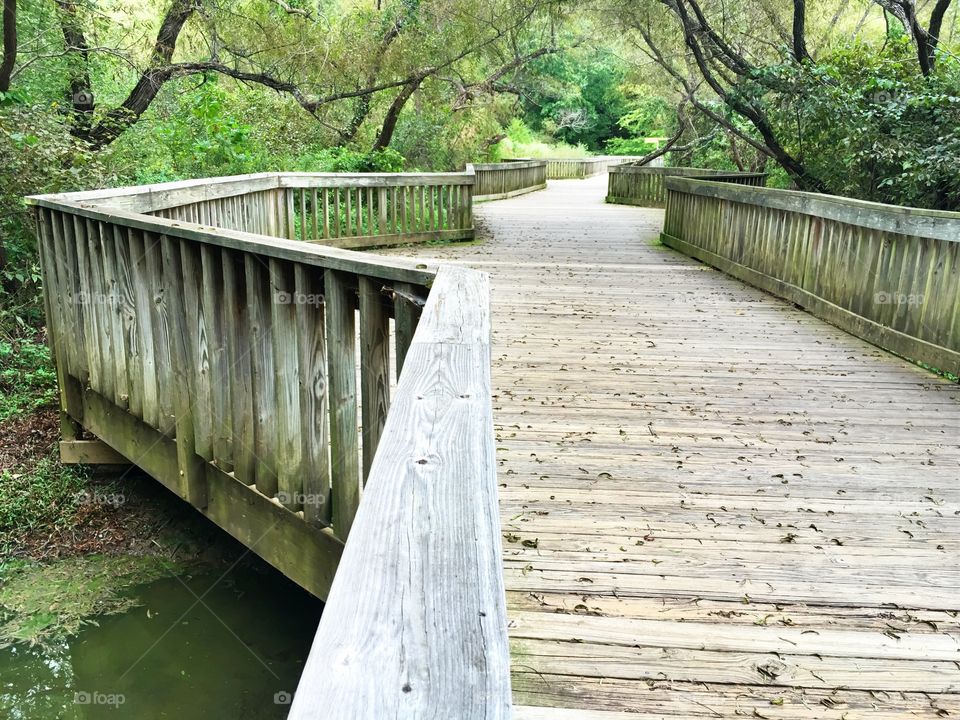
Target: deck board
713, 504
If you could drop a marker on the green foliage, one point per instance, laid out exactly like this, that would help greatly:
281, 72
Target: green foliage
45, 495
870, 125
37, 155
649, 116
27, 378
522, 142
578, 98
345, 160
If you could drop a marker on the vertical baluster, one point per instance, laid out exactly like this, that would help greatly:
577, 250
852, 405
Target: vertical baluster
192, 474
286, 368
239, 352
114, 309
215, 323
375, 367
261, 357
406, 315
144, 316
325, 192
85, 306
304, 224
360, 211
336, 212
314, 409
342, 376
368, 193
381, 212
197, 348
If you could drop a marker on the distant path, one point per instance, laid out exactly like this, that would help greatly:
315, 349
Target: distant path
714, 505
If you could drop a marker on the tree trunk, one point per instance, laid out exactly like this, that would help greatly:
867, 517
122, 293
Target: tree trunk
385, 136
9, 43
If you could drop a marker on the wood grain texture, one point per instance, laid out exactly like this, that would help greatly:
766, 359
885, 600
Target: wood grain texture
342, 377
419, 593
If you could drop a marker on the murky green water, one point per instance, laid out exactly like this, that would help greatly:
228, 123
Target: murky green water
200, 647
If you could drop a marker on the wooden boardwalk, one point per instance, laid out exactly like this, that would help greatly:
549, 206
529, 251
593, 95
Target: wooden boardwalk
713, 504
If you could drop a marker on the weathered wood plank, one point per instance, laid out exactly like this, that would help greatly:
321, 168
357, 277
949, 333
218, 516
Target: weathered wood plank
374, 368
314, 407
286, 372
342, 378
262, 374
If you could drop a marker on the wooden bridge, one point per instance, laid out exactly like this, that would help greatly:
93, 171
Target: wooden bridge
711, 503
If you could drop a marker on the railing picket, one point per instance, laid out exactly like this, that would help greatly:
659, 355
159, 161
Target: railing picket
197, 348
127, 314
342, 376
192, 485
375, 367
215, 323
314, 422
238, 359
286, 365
161, 333
144, 315
406, 316
261, 356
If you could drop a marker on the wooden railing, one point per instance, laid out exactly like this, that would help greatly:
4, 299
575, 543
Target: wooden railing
236, 367
578, 168
643, 185
497, 181
888, 274
567, 168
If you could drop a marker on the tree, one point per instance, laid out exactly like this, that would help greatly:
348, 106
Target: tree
367, 54
745, 56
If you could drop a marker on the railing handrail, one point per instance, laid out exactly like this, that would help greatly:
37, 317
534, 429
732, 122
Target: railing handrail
507, 164
937, 224
630, 167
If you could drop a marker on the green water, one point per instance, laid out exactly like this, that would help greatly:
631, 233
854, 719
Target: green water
227, 655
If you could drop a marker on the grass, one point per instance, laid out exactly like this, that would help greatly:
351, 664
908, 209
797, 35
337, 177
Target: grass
40, 603
535, 149
45, 495
27, 377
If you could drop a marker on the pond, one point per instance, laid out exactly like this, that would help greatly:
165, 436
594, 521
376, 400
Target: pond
228, 644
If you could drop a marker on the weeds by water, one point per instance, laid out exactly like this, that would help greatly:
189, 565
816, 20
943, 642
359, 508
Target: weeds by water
40, 603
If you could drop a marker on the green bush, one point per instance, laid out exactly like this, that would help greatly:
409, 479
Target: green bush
27, 377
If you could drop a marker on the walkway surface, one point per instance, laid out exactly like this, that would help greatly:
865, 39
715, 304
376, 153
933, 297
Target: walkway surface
714, 505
